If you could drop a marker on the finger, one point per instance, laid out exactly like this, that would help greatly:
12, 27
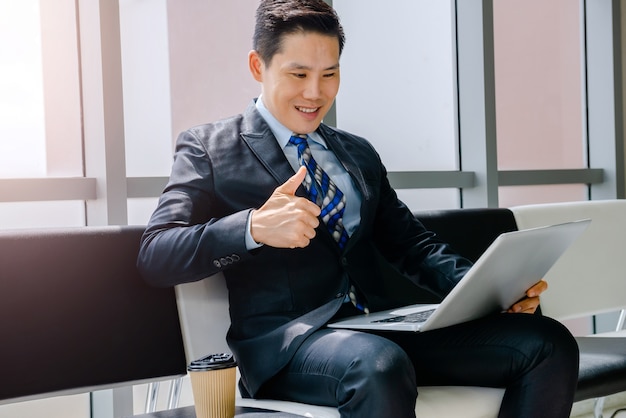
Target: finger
537, 289
525, 306
303, 239
309, 234
529, 310
290, 186
524, 311
313, 210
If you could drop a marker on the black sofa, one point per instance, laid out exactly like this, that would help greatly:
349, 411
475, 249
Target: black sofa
76, 315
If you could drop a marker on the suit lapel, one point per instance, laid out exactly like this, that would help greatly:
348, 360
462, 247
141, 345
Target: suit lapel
261, 141
266, 149
346, 157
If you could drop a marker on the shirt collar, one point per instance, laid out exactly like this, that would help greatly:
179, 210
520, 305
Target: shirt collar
281, 133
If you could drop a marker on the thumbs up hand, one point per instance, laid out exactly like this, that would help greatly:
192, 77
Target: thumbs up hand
286, 220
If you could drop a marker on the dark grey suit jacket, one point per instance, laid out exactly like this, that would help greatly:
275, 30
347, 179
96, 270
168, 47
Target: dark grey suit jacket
279, 296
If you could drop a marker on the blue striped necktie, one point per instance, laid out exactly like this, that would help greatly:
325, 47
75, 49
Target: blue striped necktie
323, 192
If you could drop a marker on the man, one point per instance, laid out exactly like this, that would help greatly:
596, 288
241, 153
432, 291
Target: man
233, 204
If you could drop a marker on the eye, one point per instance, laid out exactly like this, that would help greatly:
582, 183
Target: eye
329, 75
299, 75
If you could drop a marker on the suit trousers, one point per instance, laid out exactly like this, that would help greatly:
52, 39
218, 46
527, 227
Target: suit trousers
367, 374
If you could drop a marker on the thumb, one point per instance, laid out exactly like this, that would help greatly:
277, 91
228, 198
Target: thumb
290, 186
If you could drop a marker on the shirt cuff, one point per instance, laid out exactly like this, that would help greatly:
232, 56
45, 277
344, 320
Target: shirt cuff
251, 244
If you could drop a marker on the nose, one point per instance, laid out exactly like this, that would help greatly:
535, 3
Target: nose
312, 88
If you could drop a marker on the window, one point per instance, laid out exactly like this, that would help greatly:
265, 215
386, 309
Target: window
398, 87
22, 127
539, 78
40, 115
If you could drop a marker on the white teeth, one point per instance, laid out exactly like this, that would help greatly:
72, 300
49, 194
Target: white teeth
305, 110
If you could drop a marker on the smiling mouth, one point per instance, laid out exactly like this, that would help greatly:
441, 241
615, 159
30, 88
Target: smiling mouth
307, 109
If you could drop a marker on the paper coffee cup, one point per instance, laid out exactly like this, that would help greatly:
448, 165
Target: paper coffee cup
213, 384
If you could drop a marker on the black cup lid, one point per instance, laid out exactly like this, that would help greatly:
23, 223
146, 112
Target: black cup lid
212, 362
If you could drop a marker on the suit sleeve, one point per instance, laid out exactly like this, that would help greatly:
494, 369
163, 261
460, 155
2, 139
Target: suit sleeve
413, 250
186, 239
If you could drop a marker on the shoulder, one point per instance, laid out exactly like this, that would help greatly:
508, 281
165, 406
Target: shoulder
353, 144
344, 135
230, 125
348, 139
250, 122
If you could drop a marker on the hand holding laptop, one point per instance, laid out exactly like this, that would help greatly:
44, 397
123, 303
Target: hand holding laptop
508, 276
530, 303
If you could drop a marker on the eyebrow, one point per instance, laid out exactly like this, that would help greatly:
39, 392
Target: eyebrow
296, 66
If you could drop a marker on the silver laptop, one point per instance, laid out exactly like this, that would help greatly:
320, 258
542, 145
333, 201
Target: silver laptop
500, 277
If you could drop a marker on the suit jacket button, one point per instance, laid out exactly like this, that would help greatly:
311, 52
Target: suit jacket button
339, 295
344, 261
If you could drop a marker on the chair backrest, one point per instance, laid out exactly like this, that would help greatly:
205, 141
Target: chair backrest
590, 277
203, 312
76, 316
468, 231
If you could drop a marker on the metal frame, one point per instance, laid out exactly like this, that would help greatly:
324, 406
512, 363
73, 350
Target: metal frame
604, 96
476, 102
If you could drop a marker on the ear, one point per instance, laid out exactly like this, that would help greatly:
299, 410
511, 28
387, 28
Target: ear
256, 65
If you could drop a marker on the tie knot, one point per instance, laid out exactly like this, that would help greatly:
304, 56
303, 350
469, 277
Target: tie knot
297, 139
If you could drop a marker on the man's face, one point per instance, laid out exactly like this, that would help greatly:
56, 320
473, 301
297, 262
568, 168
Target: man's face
300, 83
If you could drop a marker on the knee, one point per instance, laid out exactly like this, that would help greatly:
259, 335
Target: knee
564, 341
554, 341
380, 364
558, 335
380, 381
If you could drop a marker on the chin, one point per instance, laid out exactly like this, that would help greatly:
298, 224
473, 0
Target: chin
305, 129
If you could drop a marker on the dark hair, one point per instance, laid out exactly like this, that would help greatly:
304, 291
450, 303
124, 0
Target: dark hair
277, 18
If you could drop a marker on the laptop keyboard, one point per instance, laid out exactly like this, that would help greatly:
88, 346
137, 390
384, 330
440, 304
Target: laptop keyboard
414, 317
